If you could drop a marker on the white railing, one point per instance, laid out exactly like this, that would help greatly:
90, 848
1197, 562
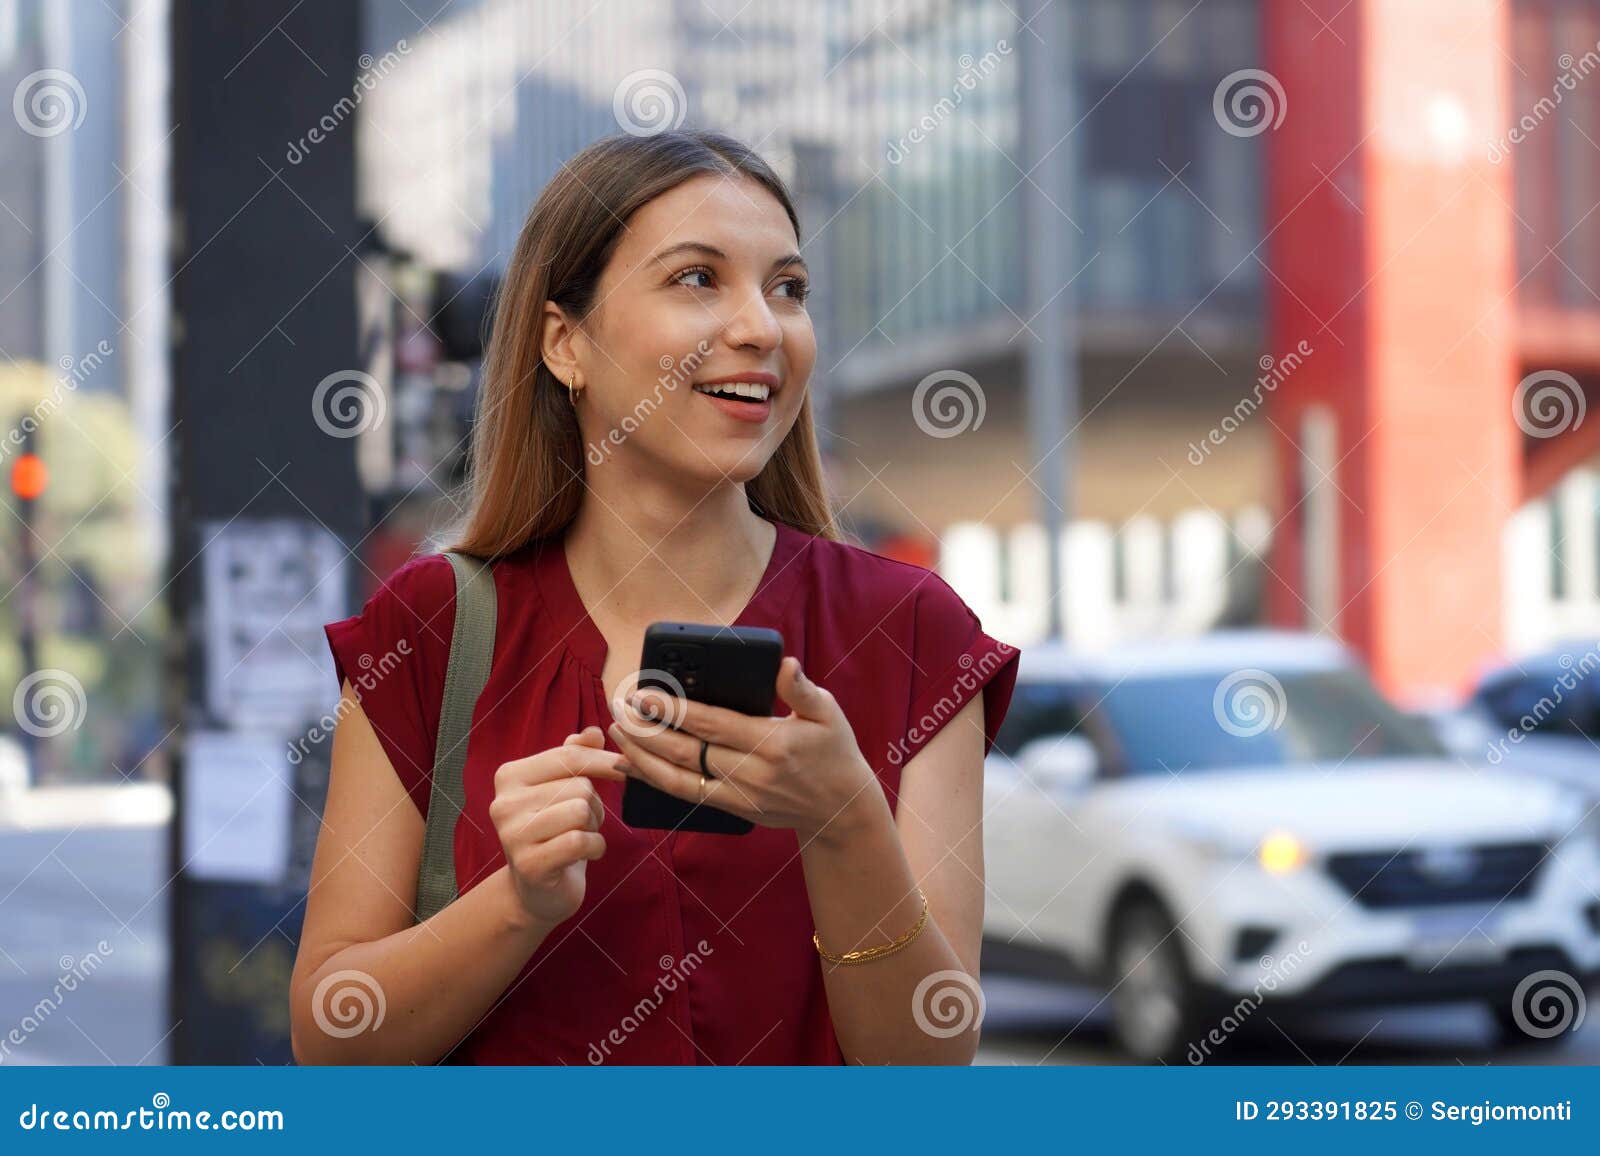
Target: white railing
1175, 578
1558, 533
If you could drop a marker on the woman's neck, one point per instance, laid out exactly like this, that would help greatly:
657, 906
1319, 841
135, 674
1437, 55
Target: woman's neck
637, 562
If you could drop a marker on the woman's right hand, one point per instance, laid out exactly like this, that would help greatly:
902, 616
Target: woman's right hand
547, 813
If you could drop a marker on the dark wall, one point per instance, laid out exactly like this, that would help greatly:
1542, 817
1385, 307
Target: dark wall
265, 305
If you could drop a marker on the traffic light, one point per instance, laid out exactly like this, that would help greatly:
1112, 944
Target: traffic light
28, 473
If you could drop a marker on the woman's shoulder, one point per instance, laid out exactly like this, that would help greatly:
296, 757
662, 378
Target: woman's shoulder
422, 589
885, 585
394, 653
422, 576
412, 611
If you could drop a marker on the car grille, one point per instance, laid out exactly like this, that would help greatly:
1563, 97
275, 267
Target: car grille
1422, 877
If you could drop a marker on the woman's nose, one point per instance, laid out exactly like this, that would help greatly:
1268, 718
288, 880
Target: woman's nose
754, 324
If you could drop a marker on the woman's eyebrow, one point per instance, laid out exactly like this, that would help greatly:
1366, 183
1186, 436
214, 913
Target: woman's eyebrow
712, 251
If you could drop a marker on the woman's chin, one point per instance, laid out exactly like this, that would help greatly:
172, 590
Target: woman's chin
735, 460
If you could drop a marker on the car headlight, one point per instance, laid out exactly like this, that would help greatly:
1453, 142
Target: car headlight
1278, 853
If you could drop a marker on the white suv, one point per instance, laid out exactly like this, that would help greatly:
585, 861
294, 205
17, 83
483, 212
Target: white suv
1206, 825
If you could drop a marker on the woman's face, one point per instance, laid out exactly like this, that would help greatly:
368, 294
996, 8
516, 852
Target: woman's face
706, 284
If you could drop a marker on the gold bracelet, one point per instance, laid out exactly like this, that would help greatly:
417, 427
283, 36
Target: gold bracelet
868, 954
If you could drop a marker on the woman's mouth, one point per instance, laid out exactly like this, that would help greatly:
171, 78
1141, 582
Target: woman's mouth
741, 400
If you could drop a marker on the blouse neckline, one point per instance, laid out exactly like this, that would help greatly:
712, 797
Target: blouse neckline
588, 645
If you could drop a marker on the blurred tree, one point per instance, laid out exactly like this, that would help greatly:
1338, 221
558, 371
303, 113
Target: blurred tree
98, 615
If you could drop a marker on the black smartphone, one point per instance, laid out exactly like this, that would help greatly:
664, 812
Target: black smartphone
735, 667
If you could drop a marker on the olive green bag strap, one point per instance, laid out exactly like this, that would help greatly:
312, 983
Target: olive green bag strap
471, 651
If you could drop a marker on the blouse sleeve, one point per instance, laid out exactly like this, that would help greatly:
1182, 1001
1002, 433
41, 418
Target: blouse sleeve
952, 659
394, 655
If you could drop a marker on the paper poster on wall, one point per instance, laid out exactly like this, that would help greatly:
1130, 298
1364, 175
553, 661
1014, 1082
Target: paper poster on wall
269, 586
236, 807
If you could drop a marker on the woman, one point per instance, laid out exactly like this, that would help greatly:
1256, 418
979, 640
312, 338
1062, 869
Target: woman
611, 491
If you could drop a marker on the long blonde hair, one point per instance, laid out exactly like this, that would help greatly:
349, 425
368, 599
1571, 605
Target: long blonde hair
525, 470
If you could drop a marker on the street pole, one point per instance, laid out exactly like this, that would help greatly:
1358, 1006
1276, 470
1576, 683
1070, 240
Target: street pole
1050, 361
27, 477
267, 498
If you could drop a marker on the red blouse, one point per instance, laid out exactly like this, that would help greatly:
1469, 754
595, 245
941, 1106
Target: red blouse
688, 947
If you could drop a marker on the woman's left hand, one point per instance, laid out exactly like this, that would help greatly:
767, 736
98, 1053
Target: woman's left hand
803, 771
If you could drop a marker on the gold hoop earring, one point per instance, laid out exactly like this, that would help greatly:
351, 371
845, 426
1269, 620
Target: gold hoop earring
572, 394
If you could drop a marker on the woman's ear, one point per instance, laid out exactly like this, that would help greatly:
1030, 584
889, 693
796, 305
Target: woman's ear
557, 336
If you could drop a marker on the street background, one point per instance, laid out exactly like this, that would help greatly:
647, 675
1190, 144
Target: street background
1210, 331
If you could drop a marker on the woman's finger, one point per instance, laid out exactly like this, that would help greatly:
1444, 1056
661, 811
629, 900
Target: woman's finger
544, 824
566, 849
730, 768
683, 783
585, 814
513, 810
724, 727
655, 736
563, 762
683, 748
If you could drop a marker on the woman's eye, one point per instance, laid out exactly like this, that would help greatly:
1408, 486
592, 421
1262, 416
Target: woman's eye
798, 289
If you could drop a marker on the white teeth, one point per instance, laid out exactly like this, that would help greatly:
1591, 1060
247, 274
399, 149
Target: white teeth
753, 390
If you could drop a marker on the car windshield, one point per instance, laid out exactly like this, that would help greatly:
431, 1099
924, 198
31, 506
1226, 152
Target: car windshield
1546, 701
1203, 722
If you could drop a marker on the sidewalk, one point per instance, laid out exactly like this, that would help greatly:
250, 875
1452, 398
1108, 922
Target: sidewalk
90, 805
